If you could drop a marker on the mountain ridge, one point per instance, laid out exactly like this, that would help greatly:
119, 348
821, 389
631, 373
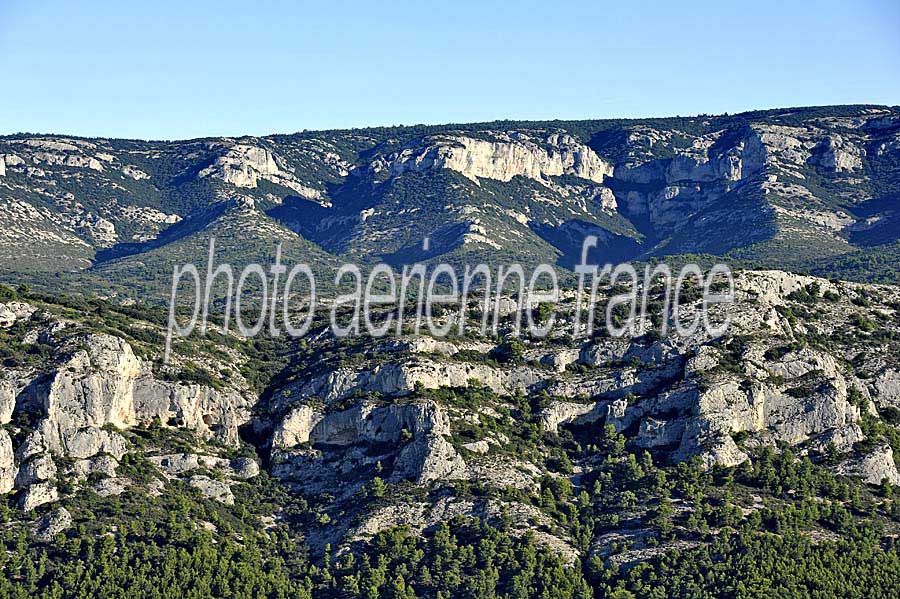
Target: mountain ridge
749, 188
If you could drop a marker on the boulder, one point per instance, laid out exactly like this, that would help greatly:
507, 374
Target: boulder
54, 523
37, 495
111, 487
13, 312
873, 467
428, 458
212, 489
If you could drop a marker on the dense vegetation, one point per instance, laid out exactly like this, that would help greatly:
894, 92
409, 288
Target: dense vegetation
807, 533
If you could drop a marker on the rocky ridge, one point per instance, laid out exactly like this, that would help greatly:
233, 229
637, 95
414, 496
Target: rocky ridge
817, 178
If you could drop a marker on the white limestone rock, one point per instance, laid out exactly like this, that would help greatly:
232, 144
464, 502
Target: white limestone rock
840, 155
212, 489
561, 412
479, 447
37, 495
560, 360
54, 523
505, 157
9, 391
7, 463
873, 467
428, 458
13, 312
394, 378
885, 388
104, 465
39, 468
111, 487
243, 165
177, 464
134, 172
296, 427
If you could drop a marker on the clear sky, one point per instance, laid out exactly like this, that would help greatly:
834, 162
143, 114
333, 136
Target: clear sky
190, 68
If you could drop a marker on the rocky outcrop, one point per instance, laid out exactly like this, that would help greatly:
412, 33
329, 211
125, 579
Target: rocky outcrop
560, 360
212, 489
243, 165
314, 449
103, 384
53, 524
210, 412
101, 465
8, 392
502, 158
92, 389
428, 458
839, 155
97, 388
7, 463
885, 389
295, 428
401, 378
13, 312
812, 400
874, 466
134, 172
111, 487
561, 412
365, 422
37, 495
178, 464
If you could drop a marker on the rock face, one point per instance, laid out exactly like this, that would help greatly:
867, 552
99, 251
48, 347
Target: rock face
134, 172
8, 393
212, 489
52, 524
176, 465
793, 399
92, 389
400, 378
103, 384
243, 165
428, 458
210, 412
505, 157
295, 428
7, 463
96, 388
839, 155
37, 495
559, 413
311, 448
874, 467
13, 312
885, 389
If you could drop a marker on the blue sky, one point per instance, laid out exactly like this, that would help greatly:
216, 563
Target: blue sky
183, 69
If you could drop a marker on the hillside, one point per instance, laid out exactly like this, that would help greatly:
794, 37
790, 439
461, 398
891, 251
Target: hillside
804, 189
758, 464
